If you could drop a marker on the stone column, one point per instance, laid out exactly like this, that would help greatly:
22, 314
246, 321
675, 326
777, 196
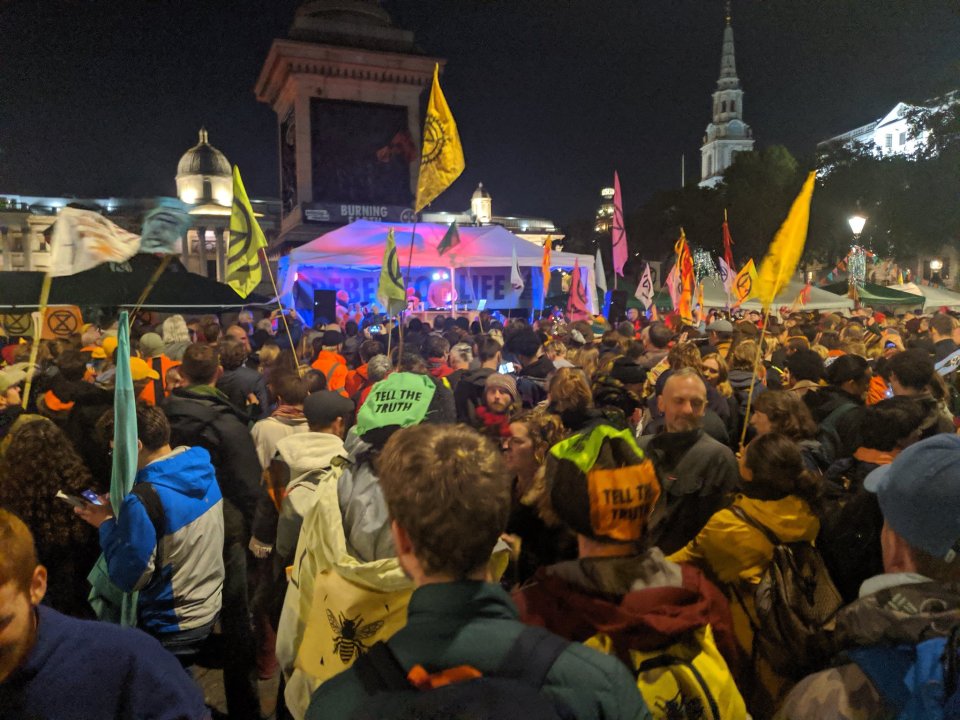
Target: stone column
202, 249
221, 254
27, 246
7, 242
185, 248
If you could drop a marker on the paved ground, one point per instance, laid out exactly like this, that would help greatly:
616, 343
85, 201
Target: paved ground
212, 683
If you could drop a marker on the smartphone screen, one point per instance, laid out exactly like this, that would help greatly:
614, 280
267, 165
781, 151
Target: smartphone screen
91, 497
506, 368
74, 500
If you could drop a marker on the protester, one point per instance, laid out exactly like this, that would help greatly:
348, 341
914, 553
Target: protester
780, 495
243, 386
623, 597
838, 408
55, 666
535, 367
152, 351
357, 380
460, 358
39, 463
468, 394
286, 419
330, 362
803, 372
167, 541
446, 551
696, 471
501, 401
542, 538
912, 374
942, 327
200, 415
784, 412
892, 636
176, 337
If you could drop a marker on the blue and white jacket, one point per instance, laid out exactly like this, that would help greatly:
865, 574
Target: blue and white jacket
186, 593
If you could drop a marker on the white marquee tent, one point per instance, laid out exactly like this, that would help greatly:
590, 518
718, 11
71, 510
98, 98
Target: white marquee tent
935, 297
360, 245
714, 296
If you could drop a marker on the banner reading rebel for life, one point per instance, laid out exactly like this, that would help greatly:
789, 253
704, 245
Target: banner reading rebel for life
489, 283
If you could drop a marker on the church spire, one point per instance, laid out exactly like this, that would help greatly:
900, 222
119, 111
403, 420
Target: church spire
728, 63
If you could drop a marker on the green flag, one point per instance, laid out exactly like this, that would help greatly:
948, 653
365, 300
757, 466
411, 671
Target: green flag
450, 239
390, 291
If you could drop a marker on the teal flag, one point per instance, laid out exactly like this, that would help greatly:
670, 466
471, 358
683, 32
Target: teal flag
163, 227
109, 602
450, 240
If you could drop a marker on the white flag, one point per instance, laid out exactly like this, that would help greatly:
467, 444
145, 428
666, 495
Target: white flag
601, 275
645, 289
83, 239
516, 279
727, 275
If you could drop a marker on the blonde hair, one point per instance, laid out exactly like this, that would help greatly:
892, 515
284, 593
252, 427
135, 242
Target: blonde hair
175, 330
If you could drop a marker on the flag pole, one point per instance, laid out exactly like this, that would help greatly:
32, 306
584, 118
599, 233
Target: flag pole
283, 315
406, 282
37, 332
753, 378
146, 291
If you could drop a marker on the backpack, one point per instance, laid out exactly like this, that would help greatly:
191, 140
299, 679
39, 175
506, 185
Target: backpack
512, 692
918, 682
828, 435
850, 523
795, 603
688, 679
147, 494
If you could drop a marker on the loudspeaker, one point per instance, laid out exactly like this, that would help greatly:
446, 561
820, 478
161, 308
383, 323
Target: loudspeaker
324, 307
618, 306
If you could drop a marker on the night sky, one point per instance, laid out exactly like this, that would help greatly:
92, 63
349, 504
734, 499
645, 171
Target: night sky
100, 98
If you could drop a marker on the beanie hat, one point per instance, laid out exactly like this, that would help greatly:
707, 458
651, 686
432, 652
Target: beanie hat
324, 407
331, 338
602, 485
504, 382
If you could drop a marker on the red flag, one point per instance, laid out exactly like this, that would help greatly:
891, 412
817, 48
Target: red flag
619, 234
686, 277
577, 303
727, 243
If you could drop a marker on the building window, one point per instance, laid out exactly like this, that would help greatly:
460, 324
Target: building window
889, 142
903, 138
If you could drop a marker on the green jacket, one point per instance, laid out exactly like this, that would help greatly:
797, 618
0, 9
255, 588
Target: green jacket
475, 623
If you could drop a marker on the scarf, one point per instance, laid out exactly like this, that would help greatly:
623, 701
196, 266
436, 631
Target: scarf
496, 424
288, 412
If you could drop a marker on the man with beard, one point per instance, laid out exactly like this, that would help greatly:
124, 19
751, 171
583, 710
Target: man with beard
500, 399
695, 471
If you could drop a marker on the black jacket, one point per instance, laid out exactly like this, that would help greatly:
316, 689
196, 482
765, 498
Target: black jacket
468, 393
211, 422
237, 384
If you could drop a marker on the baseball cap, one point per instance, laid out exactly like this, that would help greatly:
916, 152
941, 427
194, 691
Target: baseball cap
106, 349
919, 495
324, 407
9, 378
504, 382
602, 485
399, 400
720, 326
151, 344
140, 370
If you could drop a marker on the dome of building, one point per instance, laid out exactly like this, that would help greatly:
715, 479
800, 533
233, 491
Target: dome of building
203, 159
480, 193
363, 12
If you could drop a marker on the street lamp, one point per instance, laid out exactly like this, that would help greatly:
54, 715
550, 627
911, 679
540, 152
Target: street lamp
936, 265
856, 224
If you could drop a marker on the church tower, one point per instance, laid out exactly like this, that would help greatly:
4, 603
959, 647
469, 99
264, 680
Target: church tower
728, 134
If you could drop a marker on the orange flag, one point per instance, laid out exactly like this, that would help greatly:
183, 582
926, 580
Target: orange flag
685, 275
545, 264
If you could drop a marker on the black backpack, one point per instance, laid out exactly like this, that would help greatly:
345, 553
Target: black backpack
850, 524
512, 692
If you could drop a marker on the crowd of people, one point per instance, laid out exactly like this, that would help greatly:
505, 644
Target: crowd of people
758, 517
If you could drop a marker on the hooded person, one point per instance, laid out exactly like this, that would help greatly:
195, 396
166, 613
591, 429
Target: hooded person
346, 566
330, 362
64, 387
468, 394
623, 597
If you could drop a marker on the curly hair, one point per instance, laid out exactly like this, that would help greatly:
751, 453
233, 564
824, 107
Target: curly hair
546, 430
788, 414
39, 461
685, 355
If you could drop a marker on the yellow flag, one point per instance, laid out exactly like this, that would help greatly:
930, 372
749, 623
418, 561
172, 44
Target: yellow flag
441, 156
246, 240
787, 247
390, 291
745, 284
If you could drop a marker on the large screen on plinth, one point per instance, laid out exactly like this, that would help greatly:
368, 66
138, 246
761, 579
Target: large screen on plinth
361, 153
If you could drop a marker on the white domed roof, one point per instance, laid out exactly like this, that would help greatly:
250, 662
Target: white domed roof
480, 193
203, 159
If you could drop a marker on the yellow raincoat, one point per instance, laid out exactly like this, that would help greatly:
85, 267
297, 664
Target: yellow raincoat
737, 555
